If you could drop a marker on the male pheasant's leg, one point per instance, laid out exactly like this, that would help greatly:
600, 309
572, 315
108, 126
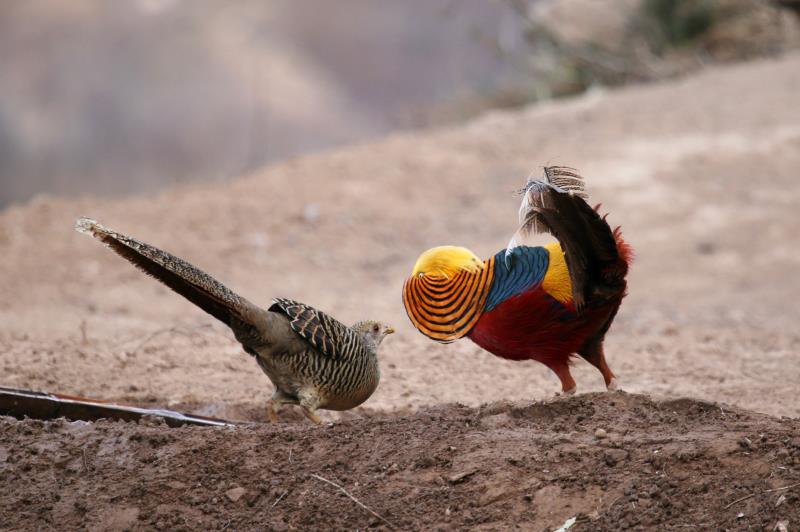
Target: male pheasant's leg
594, 354
568, 386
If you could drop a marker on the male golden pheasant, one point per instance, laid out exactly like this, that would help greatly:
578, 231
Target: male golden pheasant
543, 303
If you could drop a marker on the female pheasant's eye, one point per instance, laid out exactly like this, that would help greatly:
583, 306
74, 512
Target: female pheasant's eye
375, 328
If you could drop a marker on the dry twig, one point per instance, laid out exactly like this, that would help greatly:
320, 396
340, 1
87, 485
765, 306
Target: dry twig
761, 493
361, 504
281, 496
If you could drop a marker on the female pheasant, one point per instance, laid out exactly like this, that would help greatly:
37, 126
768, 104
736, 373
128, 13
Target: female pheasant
313, 360
541, 303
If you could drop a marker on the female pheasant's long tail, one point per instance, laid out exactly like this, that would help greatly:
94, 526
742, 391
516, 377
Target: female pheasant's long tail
185, 279
597, 257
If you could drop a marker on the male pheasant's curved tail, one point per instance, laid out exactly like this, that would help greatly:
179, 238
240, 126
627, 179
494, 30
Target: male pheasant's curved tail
597, 257
185, 279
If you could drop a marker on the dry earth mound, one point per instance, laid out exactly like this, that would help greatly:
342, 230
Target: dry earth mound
614, 461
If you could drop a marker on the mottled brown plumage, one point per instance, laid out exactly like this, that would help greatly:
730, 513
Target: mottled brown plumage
312, 359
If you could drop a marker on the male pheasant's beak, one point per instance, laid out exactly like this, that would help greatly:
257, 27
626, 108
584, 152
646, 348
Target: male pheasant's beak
388, 330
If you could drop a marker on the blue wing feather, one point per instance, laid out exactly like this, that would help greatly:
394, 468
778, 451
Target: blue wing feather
528, 268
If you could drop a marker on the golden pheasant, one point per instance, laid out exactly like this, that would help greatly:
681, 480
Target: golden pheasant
544, 303
312, 359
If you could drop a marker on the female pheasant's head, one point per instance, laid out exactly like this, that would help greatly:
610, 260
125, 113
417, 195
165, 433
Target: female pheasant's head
446, 261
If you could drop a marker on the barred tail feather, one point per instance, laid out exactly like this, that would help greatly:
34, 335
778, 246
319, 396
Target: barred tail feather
566, 179
185, 279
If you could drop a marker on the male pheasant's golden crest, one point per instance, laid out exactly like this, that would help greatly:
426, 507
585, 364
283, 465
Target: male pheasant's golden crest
445, 295
447, 261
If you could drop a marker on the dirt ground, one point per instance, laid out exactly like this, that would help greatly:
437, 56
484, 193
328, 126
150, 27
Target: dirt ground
665, 465
701, 174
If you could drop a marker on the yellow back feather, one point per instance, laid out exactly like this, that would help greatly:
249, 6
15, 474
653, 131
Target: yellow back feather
556, 281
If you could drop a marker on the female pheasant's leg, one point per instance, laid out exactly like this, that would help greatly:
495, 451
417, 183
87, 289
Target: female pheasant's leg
568, 386
275, 402
312, 415
309, 402
594, 354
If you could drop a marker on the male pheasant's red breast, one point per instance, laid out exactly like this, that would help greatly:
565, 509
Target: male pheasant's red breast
532, 325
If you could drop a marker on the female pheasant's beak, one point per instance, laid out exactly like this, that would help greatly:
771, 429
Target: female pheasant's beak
388, 330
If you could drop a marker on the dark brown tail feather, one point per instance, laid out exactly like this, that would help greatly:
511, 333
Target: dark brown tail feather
596, 268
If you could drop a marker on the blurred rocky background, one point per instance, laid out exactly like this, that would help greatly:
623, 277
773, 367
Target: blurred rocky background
126, 96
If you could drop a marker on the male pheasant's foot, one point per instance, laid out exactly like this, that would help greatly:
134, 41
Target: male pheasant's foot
613, 385
568, 385
566, 393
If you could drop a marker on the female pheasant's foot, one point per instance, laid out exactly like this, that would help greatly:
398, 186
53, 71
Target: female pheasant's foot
612, 385
275, 402
272, 410
310, 414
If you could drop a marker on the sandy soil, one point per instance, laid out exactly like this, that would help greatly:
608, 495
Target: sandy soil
700, 173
